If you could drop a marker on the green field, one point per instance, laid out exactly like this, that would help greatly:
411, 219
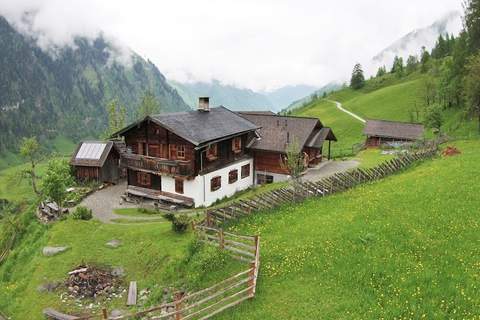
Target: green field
403, 248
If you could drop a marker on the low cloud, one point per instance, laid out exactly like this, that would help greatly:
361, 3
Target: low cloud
256, 44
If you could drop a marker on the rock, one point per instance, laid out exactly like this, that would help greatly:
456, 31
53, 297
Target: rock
116, 313
48, 287
114, 243
51, 251
118, 272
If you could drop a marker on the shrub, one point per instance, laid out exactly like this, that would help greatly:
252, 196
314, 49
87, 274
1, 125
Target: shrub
82, 213
170, 216
180, 223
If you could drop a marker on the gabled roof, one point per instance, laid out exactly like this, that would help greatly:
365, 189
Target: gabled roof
276, 131
393, 129
200, 127
319, 137
91, 153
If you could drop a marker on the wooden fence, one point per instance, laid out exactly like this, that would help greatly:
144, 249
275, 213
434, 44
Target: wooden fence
207, 302
324, 187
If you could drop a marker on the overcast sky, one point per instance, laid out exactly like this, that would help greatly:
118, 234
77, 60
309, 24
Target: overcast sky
259, 44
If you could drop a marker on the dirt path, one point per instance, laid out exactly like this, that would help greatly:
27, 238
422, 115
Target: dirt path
103, 202
339, 107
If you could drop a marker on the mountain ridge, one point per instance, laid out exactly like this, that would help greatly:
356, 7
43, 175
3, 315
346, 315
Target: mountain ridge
66, 94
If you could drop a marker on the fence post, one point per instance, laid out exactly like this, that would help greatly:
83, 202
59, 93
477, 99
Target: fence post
178, 305
104, 314
207, 218
221, 239
254, 268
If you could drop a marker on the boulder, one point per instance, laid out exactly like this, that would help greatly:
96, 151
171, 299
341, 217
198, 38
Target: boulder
114, 243
51, 251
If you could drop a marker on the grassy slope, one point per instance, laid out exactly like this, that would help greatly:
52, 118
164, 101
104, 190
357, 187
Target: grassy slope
347, 129
405, 247
146, 252
386, 98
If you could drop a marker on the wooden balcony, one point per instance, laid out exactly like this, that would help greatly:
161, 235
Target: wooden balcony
157, 165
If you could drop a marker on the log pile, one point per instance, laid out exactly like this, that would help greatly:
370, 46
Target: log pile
90, 282
49, 212
450, 151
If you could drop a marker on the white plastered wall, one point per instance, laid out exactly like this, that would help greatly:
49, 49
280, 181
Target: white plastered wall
199, 188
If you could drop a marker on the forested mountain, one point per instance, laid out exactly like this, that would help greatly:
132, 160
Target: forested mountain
242, 99
65, 93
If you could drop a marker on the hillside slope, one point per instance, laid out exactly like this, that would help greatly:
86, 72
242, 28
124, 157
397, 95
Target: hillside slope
65, 93
386, 98
404, 247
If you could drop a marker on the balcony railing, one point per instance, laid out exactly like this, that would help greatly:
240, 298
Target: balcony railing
156, 165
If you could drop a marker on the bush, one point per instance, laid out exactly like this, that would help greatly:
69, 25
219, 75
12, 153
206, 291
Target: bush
170, 216
180, 223
82, 213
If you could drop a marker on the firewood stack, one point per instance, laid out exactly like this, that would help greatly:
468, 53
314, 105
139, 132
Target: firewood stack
450, 151
91, 282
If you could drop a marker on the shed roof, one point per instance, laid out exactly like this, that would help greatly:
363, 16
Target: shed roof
393, 129
201, 127
276, 131
91, 153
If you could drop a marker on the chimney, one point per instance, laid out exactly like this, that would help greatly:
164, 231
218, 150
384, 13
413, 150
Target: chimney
204, 104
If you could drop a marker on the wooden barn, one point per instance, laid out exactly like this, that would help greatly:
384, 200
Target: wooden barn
276, 133
382, 132
97, 161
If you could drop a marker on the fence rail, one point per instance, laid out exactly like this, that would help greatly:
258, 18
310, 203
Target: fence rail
207, 302
336, 183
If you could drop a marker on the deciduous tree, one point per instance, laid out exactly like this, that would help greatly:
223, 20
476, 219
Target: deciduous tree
30, 150
56, 180
149, 105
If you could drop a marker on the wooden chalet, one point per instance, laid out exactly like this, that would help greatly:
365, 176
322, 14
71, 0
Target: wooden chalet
190, 158
382, 132
276, 132
97, 161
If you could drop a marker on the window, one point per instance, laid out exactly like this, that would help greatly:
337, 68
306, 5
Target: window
246, 171
264, 179
215, 183
179, 186
212, 152
154, 150
237, 144
232, 176
181, 151
143, 179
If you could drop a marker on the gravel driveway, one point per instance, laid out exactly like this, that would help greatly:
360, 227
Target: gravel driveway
329, 168
103, 202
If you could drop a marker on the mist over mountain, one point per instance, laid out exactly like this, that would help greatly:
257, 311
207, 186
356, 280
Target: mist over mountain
241, 99
229, 96
411, 43
63, 90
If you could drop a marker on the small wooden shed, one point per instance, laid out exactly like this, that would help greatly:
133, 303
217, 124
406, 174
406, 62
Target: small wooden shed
96, 161
380, 132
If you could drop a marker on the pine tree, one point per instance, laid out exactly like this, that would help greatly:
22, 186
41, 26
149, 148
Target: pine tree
472, 24
424, 60
358, 79
412, 63
397, 67
472, 87
381, 71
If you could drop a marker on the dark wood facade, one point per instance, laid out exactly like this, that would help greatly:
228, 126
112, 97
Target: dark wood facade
108, 172
156, 150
